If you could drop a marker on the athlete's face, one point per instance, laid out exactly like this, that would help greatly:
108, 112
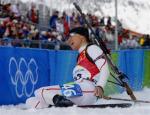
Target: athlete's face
76, 41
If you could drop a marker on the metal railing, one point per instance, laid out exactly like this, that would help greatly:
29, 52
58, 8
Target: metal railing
42, 44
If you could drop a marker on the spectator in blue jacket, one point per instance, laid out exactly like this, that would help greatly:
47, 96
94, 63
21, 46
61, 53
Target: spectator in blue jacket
53, 19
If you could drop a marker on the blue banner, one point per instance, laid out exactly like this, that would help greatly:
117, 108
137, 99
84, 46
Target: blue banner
22, 71
64, 63
131, 62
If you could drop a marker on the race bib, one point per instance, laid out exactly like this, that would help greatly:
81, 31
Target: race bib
71, 90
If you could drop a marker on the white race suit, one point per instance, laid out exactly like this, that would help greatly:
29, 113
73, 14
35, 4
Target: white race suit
86, 74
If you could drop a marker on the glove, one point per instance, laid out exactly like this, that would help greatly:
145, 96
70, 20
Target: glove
99, 92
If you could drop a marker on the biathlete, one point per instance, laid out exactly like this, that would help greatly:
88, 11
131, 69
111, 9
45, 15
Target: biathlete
90, 76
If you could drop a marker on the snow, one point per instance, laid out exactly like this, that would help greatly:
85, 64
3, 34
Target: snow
137, 109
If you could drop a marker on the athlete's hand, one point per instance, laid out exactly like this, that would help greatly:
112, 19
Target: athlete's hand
99, 92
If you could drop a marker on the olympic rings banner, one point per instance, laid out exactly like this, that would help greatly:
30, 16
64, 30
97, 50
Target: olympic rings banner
24, 70
21, 72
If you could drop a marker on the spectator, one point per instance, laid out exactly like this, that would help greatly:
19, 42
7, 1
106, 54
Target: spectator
33, 14
76, 23
66, 26
109, 36
59, 25
132, 43
147, 41
15, 10
2, 30
102, 21
53, 18
141, 41
120, 37
109, 22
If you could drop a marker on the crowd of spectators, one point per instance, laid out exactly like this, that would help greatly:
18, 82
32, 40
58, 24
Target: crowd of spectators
17, 31
22, 31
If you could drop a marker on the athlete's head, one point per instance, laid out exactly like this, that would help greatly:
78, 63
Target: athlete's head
77, 37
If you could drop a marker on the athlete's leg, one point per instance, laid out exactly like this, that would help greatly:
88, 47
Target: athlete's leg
88, 94
35, 102
43, 97
47, 93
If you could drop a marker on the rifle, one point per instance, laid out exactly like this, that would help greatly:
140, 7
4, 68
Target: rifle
120, 76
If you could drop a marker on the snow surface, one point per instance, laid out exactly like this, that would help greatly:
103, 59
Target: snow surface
137, 109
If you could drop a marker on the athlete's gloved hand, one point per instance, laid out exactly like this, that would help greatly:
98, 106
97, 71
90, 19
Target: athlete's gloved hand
99, 92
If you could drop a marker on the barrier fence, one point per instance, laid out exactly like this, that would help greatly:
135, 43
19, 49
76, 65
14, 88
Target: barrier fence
25, 69
42, 44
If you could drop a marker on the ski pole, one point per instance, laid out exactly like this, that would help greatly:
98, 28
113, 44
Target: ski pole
120, 99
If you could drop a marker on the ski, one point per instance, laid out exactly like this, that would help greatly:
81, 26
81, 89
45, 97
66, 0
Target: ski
120, 105
103, 106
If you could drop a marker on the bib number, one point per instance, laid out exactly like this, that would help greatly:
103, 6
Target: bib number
71, 90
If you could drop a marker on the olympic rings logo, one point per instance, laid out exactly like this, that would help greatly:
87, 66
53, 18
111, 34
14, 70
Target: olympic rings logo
23, 74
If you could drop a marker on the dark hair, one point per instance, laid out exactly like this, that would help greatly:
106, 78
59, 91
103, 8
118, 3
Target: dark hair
81, 31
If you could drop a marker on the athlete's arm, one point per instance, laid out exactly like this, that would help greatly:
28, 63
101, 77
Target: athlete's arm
97, 56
